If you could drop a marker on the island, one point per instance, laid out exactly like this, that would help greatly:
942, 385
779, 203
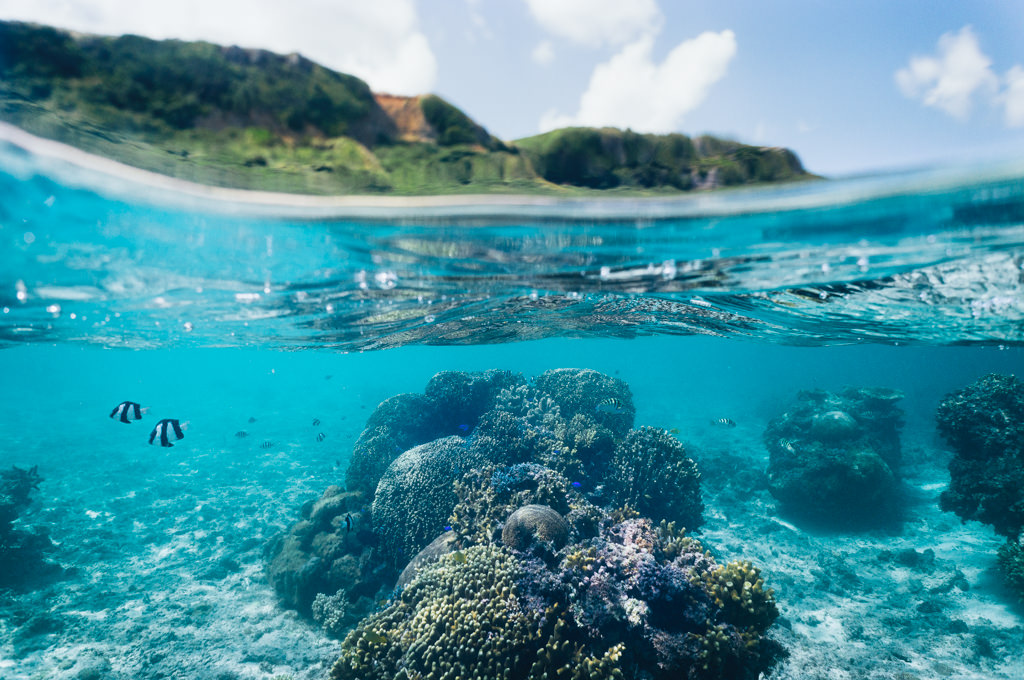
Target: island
252, 119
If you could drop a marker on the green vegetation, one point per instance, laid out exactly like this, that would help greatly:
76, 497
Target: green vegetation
234, 117
606, 158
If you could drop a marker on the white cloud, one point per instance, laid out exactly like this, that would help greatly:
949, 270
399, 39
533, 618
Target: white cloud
597, 22
950, 80
378, 41
543, 53
1013, 98
630, 90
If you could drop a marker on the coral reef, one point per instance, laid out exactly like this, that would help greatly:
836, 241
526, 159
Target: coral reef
398, 423
835, 457
462, 616
515, 509
414, 497
460, 398
984, 423
22, 549
583, 391
652, 474
533, 525
1011, 564
330, 550
330, 612
613, 609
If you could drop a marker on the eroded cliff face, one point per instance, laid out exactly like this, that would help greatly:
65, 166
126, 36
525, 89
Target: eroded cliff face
406, 115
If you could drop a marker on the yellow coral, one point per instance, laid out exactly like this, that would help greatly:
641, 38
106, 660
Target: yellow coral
738, 589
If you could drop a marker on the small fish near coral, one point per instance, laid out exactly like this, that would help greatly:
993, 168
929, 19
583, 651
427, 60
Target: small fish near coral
723, 422
127, 411
611, 405
267, 444
165, 429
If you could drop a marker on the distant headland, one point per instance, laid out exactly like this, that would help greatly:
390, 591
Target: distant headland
252, 119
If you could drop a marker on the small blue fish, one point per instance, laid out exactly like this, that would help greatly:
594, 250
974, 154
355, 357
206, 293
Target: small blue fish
448, 528
611, 405
464, 427
577, 484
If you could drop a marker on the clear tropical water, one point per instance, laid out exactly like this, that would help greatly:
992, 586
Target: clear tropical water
250, 317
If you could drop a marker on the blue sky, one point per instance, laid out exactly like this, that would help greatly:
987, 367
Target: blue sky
851, 86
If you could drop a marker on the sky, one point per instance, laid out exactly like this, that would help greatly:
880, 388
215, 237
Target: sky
852, 87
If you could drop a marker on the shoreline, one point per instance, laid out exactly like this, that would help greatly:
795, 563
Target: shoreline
24, 155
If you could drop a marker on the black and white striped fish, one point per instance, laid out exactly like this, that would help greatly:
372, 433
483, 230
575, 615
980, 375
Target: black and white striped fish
610, 405
127, 411
724, 422
165, 430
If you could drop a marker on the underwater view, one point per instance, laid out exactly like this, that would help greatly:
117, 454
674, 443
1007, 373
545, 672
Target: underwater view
771, 432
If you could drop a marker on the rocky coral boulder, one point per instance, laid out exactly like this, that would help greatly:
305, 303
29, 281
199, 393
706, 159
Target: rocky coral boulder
397, 424
984, 423
415, 497
461, 397
327, 551
535, 525
834, 458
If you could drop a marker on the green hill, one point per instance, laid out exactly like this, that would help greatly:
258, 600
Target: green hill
253, 119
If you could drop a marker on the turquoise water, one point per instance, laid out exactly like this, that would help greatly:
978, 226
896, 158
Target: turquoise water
243, 318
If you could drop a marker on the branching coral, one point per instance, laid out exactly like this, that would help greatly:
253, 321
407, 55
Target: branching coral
590, 393
330, 612
651, 473
460, 617
739, 591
